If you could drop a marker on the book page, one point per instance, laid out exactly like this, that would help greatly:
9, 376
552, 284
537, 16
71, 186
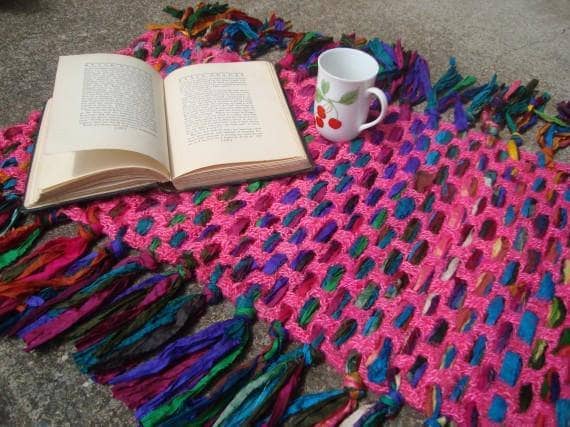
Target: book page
87, 171
106, 101
227, 113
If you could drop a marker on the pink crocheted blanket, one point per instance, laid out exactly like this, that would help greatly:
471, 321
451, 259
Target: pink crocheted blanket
429, 251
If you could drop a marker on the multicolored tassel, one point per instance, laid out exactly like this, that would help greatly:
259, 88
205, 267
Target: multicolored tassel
125, 308
265, 398
303, 51
16, 242
555, 134
206, 354
328, 408
79, 274
159, 319
155, 326
388, 406
229, 28
36, 270
205, 409
10, 212
86, 301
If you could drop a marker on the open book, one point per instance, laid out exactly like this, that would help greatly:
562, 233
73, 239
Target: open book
114, 124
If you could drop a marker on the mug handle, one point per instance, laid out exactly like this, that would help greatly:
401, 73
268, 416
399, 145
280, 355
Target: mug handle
383, 104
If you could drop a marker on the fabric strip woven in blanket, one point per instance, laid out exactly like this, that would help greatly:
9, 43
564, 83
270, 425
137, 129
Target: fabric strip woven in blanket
429, 261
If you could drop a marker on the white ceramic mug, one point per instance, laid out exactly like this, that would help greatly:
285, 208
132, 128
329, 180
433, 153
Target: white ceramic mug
345, 82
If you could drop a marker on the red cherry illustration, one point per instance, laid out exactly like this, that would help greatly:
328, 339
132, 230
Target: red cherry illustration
319, 121
321, 112
335, 123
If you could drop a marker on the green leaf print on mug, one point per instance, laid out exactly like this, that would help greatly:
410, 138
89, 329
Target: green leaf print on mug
349, 97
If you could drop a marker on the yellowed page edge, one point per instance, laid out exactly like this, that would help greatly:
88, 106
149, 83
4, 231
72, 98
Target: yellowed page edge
32, 191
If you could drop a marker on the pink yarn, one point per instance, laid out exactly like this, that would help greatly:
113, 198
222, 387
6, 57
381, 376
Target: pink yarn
459, 213
446, 257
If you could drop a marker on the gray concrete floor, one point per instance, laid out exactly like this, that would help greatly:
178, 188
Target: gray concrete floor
517, 39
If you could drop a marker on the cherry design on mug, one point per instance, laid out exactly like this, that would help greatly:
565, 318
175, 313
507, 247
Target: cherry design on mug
328, 105
321, 115
335, 123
